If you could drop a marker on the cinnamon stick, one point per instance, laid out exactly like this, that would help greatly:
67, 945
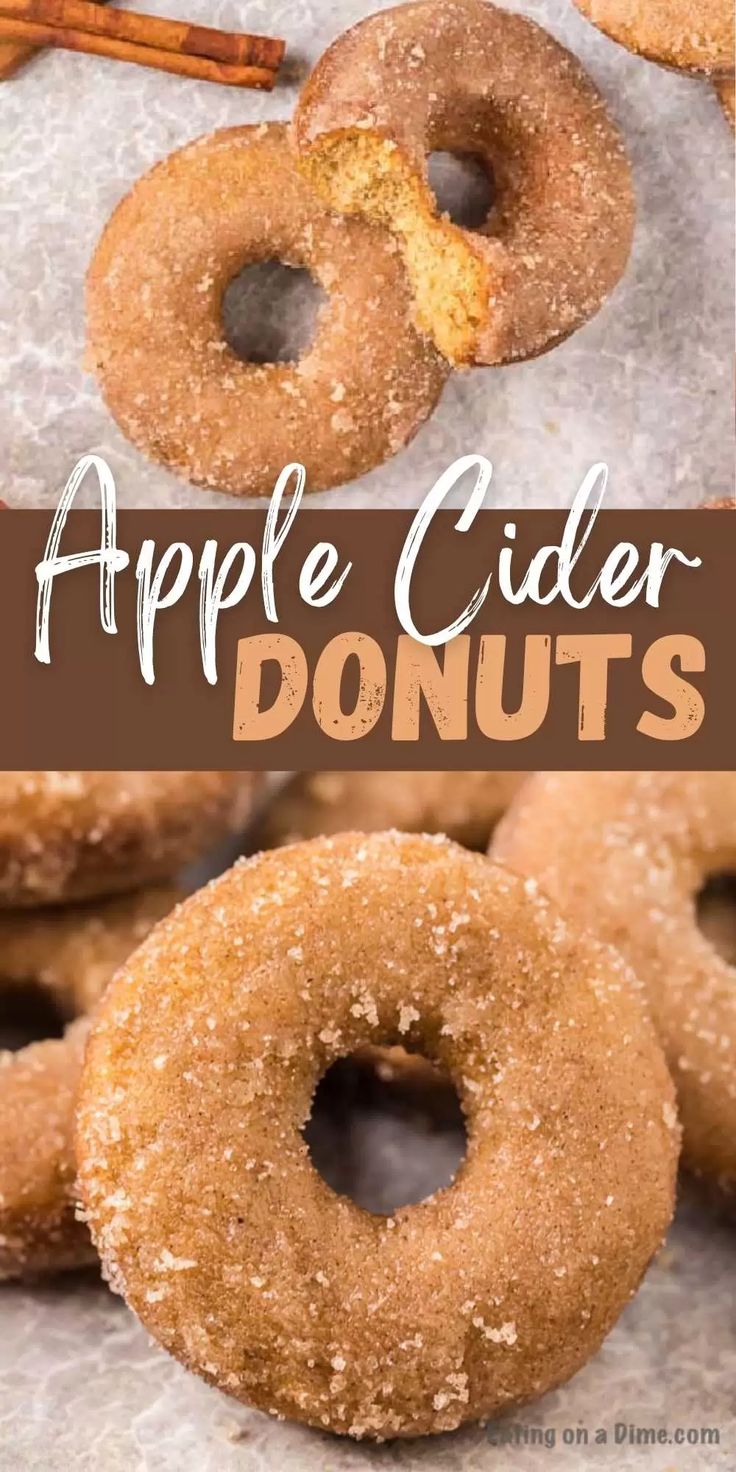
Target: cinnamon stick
15, 54
31, 33
150, 30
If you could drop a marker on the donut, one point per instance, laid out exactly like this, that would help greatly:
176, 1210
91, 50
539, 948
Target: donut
156, 340
468, 78
211, 1219
78, 835
726, 91
70, 954
464, 805
638, 849
689, 35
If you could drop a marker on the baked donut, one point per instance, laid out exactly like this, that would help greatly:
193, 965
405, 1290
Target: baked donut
638, 849
156, 341
464, 805
726, 91
199, 1189
71, 954
690, 35
76, 835
468, 78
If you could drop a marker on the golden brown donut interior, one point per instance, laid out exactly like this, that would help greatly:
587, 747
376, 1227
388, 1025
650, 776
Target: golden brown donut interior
361, 172
474, 79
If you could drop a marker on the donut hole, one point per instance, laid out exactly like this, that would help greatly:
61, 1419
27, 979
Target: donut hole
270, 311
463, 187
28, 1014
386, 1129
716, 911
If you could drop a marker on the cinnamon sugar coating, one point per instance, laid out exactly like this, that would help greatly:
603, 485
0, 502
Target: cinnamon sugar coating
156, 341
201, 1195
690, 35
77, 835
468, 77
464, 805
71, 953
637, 850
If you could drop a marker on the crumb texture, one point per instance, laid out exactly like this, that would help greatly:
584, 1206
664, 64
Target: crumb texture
466, 77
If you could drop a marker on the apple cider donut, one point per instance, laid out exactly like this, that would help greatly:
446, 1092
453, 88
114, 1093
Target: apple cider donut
71, 955
77, 835
156, 341
201, 1195
469, 78
464, 805
638, 850
689, 35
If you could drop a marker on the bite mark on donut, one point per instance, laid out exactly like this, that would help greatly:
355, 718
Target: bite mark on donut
363, 173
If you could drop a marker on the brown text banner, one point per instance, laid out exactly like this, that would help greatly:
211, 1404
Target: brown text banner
642, 675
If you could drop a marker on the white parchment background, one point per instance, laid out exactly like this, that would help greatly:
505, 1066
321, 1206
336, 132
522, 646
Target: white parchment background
646, 386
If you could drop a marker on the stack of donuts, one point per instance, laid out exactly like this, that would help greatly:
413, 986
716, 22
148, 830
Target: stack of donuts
578, 988
343, 192
87, 867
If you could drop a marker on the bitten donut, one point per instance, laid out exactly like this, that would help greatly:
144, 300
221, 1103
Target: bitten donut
464, 805
77, 835
206, 1208
156, 340
637, 850
690, 35
71, 954
466, 77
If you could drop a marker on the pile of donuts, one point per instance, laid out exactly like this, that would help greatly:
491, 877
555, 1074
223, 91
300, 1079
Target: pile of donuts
343, 192
87, 866
576, 983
